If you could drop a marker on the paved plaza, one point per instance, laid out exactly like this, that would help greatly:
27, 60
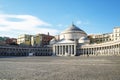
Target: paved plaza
60, 68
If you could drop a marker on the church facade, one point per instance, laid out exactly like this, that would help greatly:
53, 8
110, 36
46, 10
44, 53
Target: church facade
75, 42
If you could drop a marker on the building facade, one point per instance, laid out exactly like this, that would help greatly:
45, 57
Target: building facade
24, 40
71, 42
75, 42
116, 33
40, 39
11, 41
106, 37
8, 41
3, 40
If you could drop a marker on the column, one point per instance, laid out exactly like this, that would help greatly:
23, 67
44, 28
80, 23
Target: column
114, 49
65, 51
88, 51
71, 49
74, 50
62, 50
53, 49
59, 50
119, 49
68, 49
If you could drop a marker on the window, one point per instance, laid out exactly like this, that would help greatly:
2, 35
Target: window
115, 35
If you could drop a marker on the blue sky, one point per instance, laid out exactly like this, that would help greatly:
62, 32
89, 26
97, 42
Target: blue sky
42, 16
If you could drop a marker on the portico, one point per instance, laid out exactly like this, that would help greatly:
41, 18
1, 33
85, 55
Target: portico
64, 48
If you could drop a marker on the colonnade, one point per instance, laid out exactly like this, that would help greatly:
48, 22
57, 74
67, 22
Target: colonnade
64, 49
24, 51
101, 49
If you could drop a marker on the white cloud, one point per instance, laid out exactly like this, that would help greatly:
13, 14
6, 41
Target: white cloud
19, 24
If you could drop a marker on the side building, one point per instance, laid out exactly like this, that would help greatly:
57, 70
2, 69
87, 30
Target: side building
100, 38
106, 37
116, 33
5, 41
24, 40
41, 39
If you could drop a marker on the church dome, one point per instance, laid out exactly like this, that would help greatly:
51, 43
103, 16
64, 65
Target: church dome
84, 40
52, 41
73, 28
72, 32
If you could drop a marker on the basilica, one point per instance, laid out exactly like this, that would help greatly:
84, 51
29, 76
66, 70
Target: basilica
73, 41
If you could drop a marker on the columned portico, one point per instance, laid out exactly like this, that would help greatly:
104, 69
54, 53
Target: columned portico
64, 49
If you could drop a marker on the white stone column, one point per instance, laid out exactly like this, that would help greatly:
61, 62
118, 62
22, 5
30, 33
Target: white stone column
53, 50
65, 50
59, 51
113, 49
116, 49
68, 49
74, 49
62, 50
71, 49
119, 48
110, 50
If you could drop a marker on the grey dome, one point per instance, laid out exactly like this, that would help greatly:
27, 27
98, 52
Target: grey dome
84, 38
73, 28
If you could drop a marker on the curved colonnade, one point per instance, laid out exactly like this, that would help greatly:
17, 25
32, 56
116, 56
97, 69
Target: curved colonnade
20, 51
108, 48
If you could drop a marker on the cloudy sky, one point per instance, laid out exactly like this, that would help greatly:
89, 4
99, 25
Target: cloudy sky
53, 16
